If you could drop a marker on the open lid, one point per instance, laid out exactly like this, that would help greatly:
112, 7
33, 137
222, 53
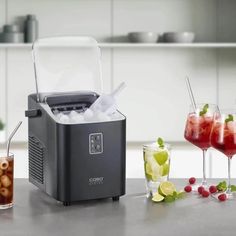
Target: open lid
66, 65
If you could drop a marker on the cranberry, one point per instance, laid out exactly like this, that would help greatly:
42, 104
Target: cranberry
205, 193
213, 189
222, 197
192, 180
188, 189
200, 189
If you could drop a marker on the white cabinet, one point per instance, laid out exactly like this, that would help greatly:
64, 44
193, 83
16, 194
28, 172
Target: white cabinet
70, 17
163, 16
20, 83
155, 100
227, 81
2, 92
2, 75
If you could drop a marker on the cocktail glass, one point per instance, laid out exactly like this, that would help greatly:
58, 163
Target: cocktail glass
6, 180
198, 128
156, 166
223, 138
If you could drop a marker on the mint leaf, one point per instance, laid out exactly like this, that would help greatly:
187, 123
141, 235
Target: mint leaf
174, 195
233, 188
204, 110
180, 195
169, 198
230, 118
160, 142
222, 186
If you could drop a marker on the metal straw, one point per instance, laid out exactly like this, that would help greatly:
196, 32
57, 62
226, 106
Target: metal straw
11, 136
190, 92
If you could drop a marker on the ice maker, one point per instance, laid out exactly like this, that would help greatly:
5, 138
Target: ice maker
72, 161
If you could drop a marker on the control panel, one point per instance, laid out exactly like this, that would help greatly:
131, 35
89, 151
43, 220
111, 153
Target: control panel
95, 143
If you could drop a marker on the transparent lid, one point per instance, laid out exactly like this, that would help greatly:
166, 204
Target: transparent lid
66, 65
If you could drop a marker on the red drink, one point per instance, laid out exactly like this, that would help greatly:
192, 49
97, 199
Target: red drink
6, 181
198, 130
223, 137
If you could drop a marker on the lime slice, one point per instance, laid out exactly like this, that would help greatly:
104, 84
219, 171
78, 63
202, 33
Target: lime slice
148, 168
166, 188
165, 169
157, 197
161, 157
148, 177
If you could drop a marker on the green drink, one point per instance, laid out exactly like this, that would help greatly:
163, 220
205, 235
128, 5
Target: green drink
156, 165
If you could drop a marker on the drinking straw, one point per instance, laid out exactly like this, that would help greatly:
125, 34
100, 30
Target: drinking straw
190, 92
11, 136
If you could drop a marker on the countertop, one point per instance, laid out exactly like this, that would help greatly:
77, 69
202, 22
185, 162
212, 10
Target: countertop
35, 213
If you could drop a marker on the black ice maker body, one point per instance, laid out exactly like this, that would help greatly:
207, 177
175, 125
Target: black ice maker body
72, 162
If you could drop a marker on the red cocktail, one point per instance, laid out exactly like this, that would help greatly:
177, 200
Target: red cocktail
198, 129
223, 138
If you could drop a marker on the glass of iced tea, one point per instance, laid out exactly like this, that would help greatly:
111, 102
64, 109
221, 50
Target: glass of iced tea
6, 180
198, 129
223, 139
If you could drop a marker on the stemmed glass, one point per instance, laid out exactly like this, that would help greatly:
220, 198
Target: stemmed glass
223, 138
198, 128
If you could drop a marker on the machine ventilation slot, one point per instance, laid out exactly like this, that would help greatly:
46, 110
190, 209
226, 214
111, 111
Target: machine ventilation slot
36, 154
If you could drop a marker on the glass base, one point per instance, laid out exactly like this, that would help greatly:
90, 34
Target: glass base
6, 206
196, 186
230, 195
152, 187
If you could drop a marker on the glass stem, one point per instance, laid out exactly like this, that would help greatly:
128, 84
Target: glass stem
204, 181
229, 175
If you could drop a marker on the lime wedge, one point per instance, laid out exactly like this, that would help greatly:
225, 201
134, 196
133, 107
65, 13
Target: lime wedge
165, 169
166, 188
157, 197
161, 157
148, 168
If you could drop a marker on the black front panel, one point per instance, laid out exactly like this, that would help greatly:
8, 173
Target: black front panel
99, 172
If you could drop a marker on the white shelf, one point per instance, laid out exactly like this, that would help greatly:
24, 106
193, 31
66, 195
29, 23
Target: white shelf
15, 45
168, 45
139, 45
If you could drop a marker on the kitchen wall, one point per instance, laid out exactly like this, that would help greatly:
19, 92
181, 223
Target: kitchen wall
156, 100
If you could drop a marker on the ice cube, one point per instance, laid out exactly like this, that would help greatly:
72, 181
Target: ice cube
64, 118
78, 118
88, 115
101, 116
231, 126
209, 114
58, 115
115, 116
56, 112
73, 114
